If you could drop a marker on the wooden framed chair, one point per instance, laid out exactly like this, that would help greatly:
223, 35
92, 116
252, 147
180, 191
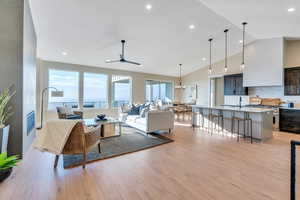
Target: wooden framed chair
81, 142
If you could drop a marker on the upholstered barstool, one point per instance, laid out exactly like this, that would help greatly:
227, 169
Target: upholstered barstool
246, 120
219, 118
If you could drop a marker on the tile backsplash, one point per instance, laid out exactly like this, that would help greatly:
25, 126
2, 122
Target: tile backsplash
273, 92
235, 100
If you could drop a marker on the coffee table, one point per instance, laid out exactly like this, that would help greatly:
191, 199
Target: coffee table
110, 121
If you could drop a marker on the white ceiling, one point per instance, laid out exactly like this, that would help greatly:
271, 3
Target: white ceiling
266, 18
90, 32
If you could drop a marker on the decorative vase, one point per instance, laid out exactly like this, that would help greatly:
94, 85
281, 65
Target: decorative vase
4, 133
4, 174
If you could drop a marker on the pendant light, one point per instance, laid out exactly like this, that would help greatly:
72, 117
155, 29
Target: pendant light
180, 86
210, 65
226, 50
243, 60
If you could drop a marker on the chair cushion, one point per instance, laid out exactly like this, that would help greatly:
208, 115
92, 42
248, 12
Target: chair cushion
73, 116
65, 110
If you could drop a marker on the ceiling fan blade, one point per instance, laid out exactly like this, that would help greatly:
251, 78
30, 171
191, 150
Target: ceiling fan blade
131, 62
112, 61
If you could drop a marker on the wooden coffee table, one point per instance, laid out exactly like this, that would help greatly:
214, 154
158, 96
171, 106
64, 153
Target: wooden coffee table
107, 126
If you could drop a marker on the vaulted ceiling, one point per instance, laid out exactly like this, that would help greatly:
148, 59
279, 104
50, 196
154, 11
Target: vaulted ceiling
89, 32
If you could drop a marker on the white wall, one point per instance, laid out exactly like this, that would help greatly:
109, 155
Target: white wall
201, 77
138, 84
29, 73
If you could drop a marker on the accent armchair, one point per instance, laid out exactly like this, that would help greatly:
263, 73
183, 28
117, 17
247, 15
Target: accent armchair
81, 142
67, 113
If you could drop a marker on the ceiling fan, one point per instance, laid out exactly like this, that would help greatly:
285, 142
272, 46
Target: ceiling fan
122, 58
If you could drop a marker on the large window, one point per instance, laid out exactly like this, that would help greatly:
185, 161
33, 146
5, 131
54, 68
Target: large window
95, 90
68, 82
159, 90
121, 90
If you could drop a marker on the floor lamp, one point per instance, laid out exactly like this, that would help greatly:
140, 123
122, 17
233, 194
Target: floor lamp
55, 93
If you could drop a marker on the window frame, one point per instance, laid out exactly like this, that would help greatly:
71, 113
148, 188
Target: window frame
160, 81
107, 91
113, 91
48, 85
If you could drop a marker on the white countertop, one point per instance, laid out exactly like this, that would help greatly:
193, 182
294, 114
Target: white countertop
236, 109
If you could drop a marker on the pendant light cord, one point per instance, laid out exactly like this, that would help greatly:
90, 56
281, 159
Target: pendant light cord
210, 45
226, 47
244, 30
180, 82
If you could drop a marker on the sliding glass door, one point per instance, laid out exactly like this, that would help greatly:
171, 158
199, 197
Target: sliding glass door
159, 90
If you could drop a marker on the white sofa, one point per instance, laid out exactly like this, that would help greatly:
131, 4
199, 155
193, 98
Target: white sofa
155, 120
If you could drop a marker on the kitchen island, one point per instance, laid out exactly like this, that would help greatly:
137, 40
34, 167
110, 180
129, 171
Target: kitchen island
262, 119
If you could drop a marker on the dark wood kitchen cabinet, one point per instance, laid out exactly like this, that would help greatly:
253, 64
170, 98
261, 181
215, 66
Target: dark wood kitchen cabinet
289, 120
292, 81
233, 85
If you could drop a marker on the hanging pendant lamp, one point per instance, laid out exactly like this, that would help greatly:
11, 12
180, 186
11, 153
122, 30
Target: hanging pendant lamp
210, 65
226, 50
243, 58
180, 86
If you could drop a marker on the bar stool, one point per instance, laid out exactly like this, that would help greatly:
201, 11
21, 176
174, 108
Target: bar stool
220, 120
197, 113
246, 121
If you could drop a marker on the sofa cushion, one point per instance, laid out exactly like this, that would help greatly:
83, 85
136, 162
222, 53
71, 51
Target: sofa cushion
141, 121
132, 118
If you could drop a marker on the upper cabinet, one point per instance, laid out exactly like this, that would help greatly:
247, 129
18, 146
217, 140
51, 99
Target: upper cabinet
233, 85
264, 63
292, 81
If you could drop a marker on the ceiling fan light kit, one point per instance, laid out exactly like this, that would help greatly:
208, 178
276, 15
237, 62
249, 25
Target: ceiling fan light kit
122, 57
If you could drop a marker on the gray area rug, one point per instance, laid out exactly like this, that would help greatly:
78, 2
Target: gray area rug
130, 141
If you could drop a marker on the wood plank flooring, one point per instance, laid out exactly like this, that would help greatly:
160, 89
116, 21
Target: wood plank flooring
195, 166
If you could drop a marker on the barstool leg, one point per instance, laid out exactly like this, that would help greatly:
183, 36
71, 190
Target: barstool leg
251, 130
232, 127
238, 131
244, 128
219, 124
222, 125
202, 119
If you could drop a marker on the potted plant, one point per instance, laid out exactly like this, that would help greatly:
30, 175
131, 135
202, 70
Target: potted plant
6, 165
5, 113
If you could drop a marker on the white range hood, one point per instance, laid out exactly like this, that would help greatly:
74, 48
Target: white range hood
264, 63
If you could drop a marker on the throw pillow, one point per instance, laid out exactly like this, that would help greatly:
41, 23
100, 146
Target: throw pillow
135, 110
125, 108
144, 111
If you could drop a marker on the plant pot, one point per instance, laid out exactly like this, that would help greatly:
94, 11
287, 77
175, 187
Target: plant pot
4, 133
4, 174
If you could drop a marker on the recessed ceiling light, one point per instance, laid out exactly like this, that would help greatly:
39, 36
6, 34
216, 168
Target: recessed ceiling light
148, 6
192, 26
203, 59
291, 9
64, 53
241, 41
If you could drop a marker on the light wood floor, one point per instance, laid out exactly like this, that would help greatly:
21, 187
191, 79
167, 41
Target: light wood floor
195, 166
